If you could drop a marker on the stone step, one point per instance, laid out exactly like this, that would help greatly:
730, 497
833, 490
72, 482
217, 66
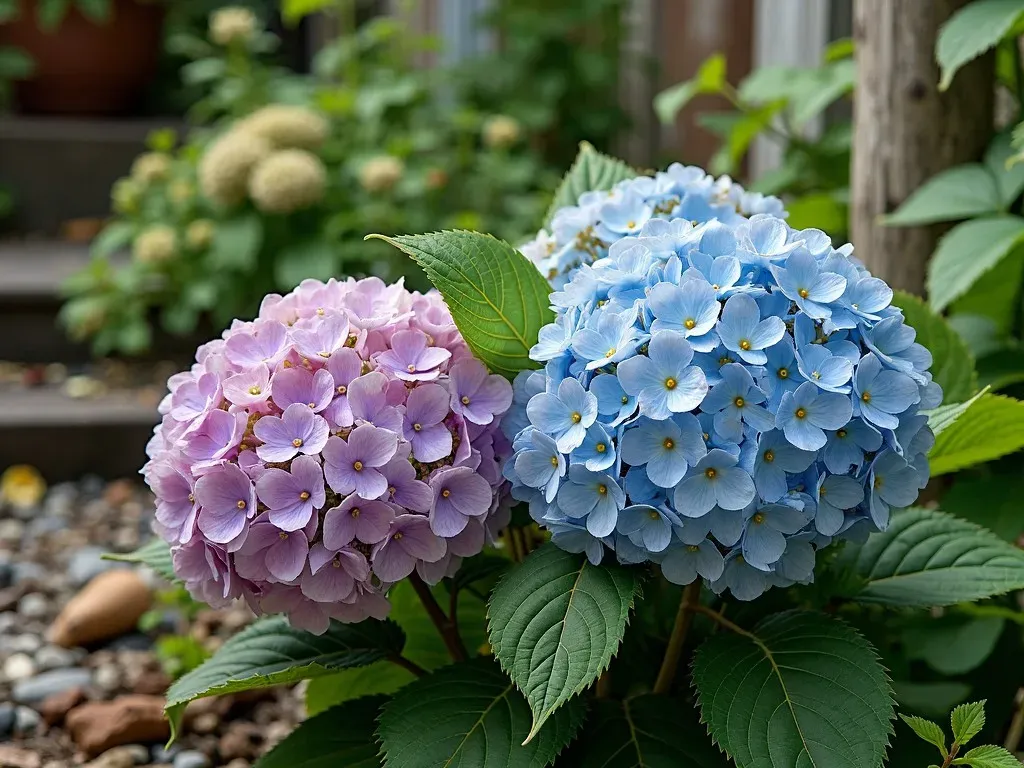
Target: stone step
66, 438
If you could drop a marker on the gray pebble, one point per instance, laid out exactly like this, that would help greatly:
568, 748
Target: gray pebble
87, 563
28, 571
139, 753
158, 753
27, 513
60, 501
107, 678
41, 525
18, 666
19, 643
136, 641
53, 657
26, 721
6, 570
34, 606
192, 759
7, 720
9, 620
45, 684
91, 485
11, 530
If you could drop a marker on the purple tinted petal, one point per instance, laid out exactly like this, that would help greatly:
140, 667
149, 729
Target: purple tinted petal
446, 520
370, 484
427, 405
328, 585
372, 446
367, 395
339, 528
432, 443
287, 557
391, 562
417, 538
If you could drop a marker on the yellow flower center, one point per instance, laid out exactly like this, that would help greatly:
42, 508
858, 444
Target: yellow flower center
602, 489
866, 397
841, 433
744, 344
282, 536
738, 401
342, 389
625, 399
304, 495
653, 514
800, 413
610, 353
710, 473
600, 448
464, 399
670, 383
297, 442
769, 456
391, 490
357, 466
803, 293
396, 536
336, 563
354, 512
417, 427
689, 323
783, 373
630, 224
693, 548
669, 443
446, 493
255, 390
878, 482
554, 461
241, 504
410, 368
758, 518
576, 417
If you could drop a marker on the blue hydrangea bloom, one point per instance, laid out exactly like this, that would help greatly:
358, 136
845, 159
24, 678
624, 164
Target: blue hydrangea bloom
721, 394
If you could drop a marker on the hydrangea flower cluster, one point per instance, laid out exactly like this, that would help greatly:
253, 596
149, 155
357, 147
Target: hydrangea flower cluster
723, 397
315, 456
581, 234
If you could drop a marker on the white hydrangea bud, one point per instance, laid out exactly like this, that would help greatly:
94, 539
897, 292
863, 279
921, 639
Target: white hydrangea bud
287, 127
501, 131
150, 167
155, 244
231, 24
288, 181
225, 166
379, 174
199, 234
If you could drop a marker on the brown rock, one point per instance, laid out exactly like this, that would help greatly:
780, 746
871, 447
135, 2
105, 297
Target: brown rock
238, 763
118, 757
131, 719
151, 683
106, 607
56, 707
241, 740
118, 492
13, 757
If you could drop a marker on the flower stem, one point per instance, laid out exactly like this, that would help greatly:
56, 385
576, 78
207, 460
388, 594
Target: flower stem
1016, 730
684, 618
446, 628
408, 664
720, 619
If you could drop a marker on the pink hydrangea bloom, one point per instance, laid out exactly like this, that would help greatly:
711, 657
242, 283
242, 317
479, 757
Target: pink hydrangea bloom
336, 444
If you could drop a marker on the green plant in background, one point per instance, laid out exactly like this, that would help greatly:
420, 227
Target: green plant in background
779, 102
285, 173
966, 722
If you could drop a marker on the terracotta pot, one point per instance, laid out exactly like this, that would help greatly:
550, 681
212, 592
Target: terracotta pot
84, 68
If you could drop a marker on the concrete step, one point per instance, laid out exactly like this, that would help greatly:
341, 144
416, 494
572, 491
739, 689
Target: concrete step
66, 438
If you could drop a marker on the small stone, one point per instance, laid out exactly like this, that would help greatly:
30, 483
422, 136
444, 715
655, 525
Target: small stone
26, 721
19, 667
45, 684
152, 682
118, 492
192, 759
276, 732
87, 563
242, 739
107, 678
34, 606
99, 725
53, 657
106, 607
238, 762
11, 531
60, 501
126, 539
28, 572
139, 752
136, 641
55, 708
118, 757
56, 764
24, 643
7, 720
158, 753
207, 722
14, 757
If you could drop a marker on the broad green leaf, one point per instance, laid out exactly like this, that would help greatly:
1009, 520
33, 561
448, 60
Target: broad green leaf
555, 623
423, 645
802, 689
843, 48
113, 237
971, 31
470, 714
591, 171
939, 419
646, 731
952, 361
991, 501
996, 296
50, 14
15, 64
709, 79
295, 262
742, 133
820, 210
927, 730
97, 11
992, 427
953, 644
272, 652
156, 554
1009, 177
341, 736
831, 82
988, 756
497, 298
927, 558
967, 252
236, 243
293, 11
1002, 369
967, 720
957, 193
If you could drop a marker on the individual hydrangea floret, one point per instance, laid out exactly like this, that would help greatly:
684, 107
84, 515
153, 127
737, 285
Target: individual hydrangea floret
721, 394
340, 441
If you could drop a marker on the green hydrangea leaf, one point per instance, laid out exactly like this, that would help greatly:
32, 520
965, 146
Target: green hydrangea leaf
646, 731
340, 736
971, 31
591, 171
968, 251
988, 756
967, 720
952, 361
991, 427
470, 714
497, 298
957, 193
556, 621
927, 730
801, 689
710, 78
272, 652
156, 554
928, 558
